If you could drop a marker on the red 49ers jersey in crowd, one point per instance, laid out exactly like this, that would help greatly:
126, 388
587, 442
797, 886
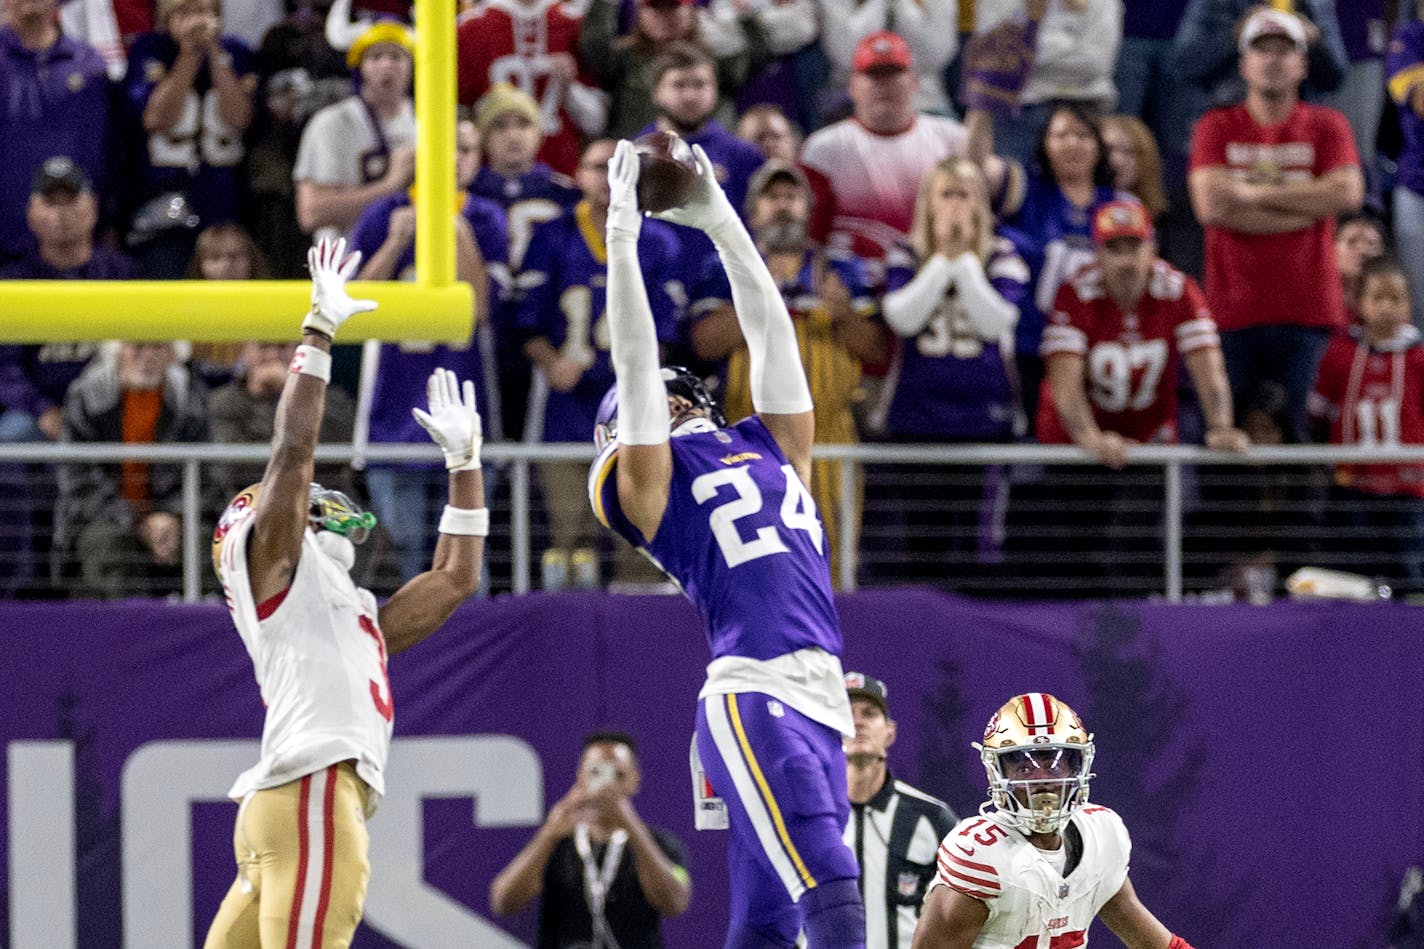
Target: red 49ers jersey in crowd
1374, 395
510, 41
1129, 358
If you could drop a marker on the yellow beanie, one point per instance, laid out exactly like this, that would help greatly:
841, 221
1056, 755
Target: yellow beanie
382, 31
503, 98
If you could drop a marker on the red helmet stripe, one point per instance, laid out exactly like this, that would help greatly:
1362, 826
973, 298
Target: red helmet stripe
1038, 712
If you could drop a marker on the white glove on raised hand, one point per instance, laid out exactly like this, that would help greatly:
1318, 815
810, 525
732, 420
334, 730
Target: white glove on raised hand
453, 420
708, 208
625, 221
331, 304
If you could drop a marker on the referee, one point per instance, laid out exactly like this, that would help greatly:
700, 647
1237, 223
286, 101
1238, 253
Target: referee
894, 829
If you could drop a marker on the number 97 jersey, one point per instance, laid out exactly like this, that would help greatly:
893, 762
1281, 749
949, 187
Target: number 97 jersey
1031, 904
741, 536
1129, 359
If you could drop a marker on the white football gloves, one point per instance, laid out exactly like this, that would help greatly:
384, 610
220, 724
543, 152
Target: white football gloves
331, 305
625, 221
453, 420
708, 209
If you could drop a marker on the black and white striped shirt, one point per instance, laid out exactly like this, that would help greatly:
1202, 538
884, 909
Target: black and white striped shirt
895, 836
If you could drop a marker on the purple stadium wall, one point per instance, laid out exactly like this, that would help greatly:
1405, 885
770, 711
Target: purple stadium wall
1269, 762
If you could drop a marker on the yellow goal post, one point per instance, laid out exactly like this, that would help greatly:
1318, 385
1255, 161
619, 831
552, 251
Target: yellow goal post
435, 307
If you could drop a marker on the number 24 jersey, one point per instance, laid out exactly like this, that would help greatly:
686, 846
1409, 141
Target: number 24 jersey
1031, 906
742, 537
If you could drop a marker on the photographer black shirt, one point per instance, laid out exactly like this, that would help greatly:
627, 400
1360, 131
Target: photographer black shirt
564, 918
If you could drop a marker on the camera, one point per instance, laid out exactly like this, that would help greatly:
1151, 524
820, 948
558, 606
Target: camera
600, 776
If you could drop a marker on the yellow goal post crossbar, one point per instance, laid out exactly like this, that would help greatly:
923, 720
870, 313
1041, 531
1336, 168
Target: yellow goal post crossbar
434, 307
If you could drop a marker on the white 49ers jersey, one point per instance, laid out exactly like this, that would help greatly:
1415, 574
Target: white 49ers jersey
1031, 906
320, 661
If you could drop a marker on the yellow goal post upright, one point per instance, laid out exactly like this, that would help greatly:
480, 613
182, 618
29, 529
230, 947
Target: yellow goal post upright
435, 307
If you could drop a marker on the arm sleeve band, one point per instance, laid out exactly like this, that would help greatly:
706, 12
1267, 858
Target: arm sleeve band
989, 313
909, 308
642, 397
778, 380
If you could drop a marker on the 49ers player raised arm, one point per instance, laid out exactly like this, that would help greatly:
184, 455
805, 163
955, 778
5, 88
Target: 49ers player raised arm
283, 550
1038, 863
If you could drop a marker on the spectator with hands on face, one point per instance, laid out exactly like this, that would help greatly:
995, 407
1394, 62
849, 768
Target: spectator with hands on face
191, 91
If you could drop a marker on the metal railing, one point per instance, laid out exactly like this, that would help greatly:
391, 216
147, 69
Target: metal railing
518, 458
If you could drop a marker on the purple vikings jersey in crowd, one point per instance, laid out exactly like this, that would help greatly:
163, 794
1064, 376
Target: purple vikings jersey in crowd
1058, 242
742, 537
563, 286
529, 200
947, 381
201, 154
405, 367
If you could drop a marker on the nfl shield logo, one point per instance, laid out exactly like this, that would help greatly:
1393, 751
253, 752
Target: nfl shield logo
909, 883
1062, 891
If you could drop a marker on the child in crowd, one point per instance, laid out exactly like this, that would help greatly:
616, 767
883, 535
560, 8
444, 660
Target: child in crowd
1370, 389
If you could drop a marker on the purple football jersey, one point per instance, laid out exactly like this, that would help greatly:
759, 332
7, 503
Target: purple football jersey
946, 380
742, 537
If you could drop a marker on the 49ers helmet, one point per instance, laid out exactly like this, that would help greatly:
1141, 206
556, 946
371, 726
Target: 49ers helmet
1037, 745
330, 510
238, 509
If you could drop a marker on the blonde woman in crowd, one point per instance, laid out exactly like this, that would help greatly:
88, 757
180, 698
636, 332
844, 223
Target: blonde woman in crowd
953, 300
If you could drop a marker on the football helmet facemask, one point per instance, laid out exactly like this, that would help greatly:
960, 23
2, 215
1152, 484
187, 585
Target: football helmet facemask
1039, 759
679, 382
331, 510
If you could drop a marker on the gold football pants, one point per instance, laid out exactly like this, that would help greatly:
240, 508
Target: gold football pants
302, 866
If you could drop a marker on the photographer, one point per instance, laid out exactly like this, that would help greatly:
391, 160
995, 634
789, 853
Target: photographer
591, 896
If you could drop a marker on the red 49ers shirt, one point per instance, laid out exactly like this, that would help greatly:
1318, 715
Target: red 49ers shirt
1129, 358
1374, 395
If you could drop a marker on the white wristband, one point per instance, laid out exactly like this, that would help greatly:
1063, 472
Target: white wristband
310, 361
465, 522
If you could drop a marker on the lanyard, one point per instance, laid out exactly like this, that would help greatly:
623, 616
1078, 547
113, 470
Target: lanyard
596, 881
374, 162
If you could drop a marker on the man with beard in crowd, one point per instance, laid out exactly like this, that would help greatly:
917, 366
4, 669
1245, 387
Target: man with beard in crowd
830, 308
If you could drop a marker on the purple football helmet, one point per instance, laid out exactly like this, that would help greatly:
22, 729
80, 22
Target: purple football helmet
679, 381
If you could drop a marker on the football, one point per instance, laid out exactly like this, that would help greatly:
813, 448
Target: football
667, 171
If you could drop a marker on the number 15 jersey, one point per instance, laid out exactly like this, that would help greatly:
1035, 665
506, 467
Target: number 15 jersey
1031, 904
742, 537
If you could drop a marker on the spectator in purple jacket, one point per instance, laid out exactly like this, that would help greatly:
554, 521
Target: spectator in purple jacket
54, 100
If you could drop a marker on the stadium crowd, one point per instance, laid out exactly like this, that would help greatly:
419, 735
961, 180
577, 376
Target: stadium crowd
941, 189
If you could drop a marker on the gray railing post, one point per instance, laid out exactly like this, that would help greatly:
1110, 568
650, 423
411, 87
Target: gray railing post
1172, 530
519, 525
191, 513
848, 538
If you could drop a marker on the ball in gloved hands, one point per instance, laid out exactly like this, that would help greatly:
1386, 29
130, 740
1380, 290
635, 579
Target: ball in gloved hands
667, 171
